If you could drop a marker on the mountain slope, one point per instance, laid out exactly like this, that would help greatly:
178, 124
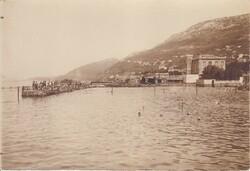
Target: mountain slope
89, 72
228, 36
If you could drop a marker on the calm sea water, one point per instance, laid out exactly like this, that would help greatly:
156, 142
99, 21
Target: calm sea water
93, 129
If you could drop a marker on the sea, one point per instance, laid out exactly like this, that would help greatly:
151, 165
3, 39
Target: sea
159, 128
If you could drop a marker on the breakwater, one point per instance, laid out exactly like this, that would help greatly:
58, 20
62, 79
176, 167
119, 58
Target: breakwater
42, 89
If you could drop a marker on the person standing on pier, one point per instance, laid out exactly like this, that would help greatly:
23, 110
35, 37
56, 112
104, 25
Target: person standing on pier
33, 85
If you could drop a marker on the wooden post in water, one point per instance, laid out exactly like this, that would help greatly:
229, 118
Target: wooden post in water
112, 90
18, 94
196, 88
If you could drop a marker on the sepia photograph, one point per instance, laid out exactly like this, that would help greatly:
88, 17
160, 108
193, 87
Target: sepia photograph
124, 84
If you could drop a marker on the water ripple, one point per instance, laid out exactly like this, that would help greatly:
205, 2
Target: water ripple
97, 130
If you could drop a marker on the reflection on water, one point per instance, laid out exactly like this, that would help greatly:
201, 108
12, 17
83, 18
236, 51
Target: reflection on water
94, 129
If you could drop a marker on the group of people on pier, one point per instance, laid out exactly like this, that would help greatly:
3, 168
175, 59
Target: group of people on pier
45, 88
42, 85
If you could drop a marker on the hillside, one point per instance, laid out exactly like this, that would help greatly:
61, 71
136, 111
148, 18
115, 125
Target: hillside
89, 72
228, 36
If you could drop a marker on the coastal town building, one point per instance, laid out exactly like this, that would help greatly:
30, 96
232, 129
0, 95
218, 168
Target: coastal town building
243, 58
191, 78
195, 65
98, 84
189, 63
198, 63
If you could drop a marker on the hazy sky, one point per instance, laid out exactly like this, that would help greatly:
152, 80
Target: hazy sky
52, 37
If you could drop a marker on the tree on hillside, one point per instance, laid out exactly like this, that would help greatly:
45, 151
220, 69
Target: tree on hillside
245, 67
213, 72
233, 71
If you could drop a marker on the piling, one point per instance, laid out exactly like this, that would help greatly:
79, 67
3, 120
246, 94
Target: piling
112, 90
196, 88
18, 94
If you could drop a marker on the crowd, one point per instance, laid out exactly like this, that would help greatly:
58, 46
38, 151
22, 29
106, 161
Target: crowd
43, 85
63, 85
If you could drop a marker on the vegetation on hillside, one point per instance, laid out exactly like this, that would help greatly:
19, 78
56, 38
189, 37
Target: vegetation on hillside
228, 36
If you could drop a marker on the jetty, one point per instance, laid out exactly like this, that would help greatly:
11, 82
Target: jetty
50, 88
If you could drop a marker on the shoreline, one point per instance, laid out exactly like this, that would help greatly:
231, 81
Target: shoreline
33, 93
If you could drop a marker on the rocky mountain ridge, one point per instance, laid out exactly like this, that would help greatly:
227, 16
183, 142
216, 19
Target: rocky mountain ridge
89, 72
227, 36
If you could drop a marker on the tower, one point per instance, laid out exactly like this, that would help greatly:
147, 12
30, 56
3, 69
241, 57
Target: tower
189, 63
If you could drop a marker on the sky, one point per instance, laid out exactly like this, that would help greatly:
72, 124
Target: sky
53, 37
